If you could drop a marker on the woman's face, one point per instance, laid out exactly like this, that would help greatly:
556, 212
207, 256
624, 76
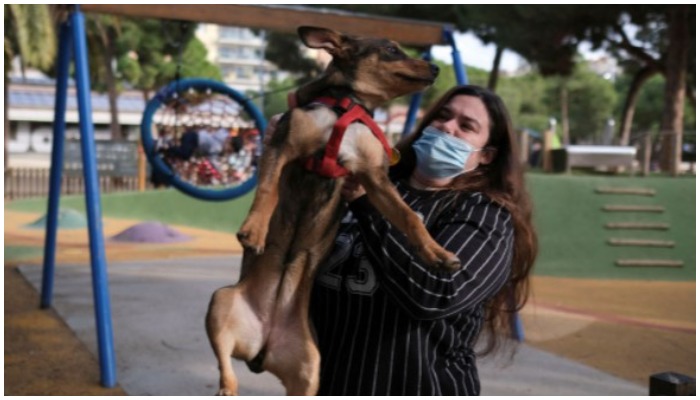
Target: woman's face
466, 118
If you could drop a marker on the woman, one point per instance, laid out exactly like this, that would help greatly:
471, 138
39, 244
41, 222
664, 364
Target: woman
386, 323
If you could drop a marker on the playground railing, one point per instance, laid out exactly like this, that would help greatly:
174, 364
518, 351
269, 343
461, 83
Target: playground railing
22, 183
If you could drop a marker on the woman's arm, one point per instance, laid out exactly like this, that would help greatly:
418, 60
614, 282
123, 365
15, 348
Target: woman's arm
479, 232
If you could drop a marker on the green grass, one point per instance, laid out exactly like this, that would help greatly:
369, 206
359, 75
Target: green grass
570, 225
167, 206
21, 253
568, 218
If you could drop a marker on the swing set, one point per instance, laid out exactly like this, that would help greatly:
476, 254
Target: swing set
224, 108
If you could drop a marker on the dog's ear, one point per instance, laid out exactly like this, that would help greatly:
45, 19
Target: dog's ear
321, 38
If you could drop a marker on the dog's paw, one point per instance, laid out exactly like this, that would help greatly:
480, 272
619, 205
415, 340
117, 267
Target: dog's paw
440, 258
247, 240
252, 236
451, 263
226, 392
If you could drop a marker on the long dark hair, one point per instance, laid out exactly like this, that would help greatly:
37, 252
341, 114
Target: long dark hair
503, 182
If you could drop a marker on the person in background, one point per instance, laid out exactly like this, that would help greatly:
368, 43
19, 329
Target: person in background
202, 141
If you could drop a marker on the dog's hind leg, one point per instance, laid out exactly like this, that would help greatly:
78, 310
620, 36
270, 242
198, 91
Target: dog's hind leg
234, 331
228, 383
305, 375
296, 361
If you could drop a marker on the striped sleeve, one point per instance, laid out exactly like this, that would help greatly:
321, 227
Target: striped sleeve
478, 231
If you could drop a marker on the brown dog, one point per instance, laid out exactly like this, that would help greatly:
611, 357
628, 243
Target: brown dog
263, 319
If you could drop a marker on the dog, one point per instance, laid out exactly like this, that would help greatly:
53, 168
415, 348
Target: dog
291, 226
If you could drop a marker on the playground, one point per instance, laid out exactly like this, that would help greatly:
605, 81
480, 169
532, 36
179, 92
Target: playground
123, 280
624, 324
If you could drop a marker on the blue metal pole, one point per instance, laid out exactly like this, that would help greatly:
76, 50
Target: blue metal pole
415, 104
518, 330
100, 284
460, 70
59, 135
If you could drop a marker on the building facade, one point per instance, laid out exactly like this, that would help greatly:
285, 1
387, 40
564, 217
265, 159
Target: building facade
240, 54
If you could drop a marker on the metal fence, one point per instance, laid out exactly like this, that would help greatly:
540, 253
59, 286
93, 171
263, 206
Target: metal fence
21, 183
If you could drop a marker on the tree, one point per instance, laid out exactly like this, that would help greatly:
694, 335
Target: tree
278, 51
539, 33
29, 35
665, 34
275, 101
585, 102
102, 32
525, 97
679, 20
151, 50
648, 104
144, 53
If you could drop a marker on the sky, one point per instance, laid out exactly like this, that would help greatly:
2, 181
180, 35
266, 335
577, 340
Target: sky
475, 54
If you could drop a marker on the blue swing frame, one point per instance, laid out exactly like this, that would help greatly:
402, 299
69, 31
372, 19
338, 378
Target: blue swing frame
73, 44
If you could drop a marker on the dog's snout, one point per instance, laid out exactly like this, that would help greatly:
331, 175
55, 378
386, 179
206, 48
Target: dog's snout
434, 69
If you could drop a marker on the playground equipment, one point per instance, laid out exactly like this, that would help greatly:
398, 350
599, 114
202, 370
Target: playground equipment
191, 105
73, 47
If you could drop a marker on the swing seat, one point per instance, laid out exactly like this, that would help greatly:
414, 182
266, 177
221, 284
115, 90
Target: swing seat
171, 131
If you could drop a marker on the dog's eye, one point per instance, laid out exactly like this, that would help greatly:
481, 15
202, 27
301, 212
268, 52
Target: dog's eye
392, 50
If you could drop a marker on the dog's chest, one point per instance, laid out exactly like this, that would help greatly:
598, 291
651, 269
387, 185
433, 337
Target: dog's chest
358, 142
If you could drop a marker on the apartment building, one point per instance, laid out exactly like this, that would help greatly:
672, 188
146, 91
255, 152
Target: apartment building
240, 54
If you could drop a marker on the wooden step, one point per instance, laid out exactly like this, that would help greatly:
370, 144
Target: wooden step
641, 242
628, 190
649, 263
656, 209
637, 225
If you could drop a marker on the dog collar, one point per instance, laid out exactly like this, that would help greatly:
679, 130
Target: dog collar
348, 111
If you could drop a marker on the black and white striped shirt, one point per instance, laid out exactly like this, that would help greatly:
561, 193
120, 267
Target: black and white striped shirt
389, 325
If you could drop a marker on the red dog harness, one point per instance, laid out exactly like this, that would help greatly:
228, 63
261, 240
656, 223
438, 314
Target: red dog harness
348, 112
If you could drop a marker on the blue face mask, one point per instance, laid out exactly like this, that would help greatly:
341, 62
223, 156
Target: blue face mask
440, 155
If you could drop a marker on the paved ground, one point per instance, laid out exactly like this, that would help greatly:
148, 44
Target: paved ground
583, 337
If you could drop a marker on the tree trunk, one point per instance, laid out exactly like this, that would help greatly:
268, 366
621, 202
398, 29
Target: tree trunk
631, 101
690, 94
564, 99
495, 67
6, 89
112, 93
674, 91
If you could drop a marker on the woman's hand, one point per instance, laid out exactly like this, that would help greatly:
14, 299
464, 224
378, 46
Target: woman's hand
352, 189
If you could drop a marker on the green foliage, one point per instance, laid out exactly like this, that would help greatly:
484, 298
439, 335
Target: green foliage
195, 62
278, 51
29, 34
276, 98
445, 80
650, 103
101, 35
591, 102
524, 97
149, 52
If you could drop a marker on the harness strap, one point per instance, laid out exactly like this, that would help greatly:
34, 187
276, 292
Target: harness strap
349, 112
